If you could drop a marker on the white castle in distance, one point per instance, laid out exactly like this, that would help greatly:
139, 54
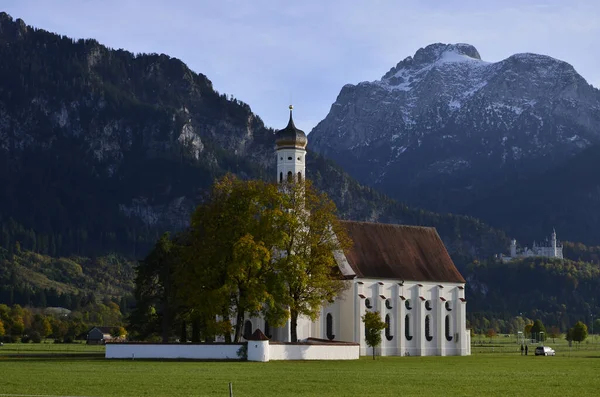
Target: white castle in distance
549, 249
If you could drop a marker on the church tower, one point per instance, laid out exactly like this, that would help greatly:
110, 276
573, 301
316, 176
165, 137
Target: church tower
290, 146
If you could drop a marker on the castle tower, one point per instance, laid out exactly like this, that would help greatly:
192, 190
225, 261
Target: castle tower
513, 248
290, 146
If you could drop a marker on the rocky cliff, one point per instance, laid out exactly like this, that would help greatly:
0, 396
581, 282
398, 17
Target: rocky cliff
444, 128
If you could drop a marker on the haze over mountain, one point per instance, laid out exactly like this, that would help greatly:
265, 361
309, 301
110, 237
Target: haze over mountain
444, 129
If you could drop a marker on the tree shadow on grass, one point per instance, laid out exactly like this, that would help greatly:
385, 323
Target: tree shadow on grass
50, 357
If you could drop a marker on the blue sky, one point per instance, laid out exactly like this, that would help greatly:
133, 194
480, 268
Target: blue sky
268, 53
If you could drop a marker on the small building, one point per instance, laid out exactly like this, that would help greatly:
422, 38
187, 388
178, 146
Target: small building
99, 335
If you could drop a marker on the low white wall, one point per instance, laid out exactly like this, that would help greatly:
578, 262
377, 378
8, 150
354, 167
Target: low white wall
263, 351
208, 351
301, 351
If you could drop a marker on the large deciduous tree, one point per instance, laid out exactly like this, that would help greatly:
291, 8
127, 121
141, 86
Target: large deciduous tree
306, 264
260, 248
228, 266
157, 304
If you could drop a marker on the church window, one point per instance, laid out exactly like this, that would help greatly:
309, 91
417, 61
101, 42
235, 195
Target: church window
407, 327
428, 335
281, 177
281, 158
388, 328
290, 158
428, 305
448, 306
407, 304
388, 303
247, 329
368, 303
330, 334
448, 333
290, 176
267, 329
299, 176
299, 158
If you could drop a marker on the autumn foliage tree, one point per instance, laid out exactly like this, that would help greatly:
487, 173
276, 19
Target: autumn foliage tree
306, 265
229, 269
260, 248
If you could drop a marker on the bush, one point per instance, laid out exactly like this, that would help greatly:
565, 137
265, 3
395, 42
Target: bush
35, 337
68, 339
25, 339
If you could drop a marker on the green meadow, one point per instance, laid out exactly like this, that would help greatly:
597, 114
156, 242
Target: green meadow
489, 371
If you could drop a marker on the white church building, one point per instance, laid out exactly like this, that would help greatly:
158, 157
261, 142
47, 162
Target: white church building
404, 272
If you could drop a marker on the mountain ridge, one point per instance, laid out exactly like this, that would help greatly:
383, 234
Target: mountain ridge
444, 128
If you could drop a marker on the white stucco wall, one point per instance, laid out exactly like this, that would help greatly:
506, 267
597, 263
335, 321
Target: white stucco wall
173, 351
314, 352
257, 351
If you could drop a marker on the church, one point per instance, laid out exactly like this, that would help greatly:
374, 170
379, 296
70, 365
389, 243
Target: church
403, 272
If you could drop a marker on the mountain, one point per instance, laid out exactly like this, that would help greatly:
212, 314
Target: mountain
102, 151
445, 129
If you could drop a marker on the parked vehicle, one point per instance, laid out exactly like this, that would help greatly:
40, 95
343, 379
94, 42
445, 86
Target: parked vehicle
544, 351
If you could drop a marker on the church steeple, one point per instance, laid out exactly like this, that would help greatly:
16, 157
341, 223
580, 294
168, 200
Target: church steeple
290, 146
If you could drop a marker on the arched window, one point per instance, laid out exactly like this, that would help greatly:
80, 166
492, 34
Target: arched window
368, 303
329, 322
428, 335
267, 330
388, 328
448, 332
407, 304
388, 303
407, 327
281, 177
247, 329
448, 306
299, 176
428, 304
290, 176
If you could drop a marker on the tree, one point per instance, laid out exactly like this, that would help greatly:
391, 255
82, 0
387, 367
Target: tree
527, 330
491, 333
537, 329
554, 333
2, 331
307, 264
260, 248
154, 291
580, 332
228, 269
373, 327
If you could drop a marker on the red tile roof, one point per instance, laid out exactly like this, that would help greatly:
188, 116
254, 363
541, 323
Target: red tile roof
399, 252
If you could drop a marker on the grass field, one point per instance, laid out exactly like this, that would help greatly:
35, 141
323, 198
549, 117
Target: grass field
482, 374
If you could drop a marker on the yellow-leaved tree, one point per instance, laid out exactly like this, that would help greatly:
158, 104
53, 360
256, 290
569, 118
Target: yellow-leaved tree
261, 248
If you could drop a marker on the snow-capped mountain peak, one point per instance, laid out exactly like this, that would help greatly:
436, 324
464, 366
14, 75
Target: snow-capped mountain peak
446, 112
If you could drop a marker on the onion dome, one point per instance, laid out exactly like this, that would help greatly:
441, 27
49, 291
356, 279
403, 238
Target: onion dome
290, 136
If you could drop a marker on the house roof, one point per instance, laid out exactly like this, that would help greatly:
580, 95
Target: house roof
104, 330
400, 252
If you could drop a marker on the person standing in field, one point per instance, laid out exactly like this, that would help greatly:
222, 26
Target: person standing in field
522, 348
526, 349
